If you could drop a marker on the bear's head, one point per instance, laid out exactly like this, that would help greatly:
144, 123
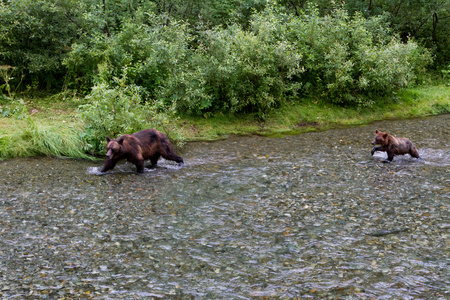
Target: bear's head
114, 147
381, 138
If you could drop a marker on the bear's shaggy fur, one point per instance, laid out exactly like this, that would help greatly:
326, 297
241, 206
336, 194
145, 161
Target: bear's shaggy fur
137, 147
393, 145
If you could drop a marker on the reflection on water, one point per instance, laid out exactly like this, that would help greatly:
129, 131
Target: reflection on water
311, 215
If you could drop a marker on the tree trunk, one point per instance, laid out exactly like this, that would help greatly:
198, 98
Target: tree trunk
108, 32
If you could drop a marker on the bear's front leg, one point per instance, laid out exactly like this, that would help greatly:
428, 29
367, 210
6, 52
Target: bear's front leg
379, 148
109, 164
390, 156
139, 166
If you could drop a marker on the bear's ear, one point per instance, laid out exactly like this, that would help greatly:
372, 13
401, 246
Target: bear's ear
377, 131
385, 135
108, 139
120, 141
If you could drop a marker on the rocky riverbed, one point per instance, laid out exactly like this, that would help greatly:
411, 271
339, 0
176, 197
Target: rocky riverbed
311, 216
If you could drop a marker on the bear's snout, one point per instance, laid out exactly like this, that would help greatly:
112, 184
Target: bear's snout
109, 154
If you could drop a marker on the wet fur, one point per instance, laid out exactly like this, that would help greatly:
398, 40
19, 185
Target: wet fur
393, 145
149, 144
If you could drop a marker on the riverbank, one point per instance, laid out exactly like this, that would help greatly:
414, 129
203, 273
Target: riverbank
309, 216
314, 114
54, 128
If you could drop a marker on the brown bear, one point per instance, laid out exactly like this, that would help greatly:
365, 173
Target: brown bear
393, 145
137, 147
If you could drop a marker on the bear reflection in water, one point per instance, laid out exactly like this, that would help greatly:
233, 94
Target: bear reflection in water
149, 144
393, 145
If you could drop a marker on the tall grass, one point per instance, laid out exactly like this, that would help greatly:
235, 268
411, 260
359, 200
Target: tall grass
51, 141
27, 138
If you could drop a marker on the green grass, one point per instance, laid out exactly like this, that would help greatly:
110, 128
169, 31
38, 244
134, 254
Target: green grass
312, 114
22, 138
54, 128
48, 127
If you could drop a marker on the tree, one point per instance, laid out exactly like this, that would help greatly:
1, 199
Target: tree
423, 20
36, 35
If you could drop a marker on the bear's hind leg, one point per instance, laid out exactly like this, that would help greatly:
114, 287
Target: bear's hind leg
174, 157
170, 155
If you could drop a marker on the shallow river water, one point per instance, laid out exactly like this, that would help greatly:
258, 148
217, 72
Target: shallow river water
309, 216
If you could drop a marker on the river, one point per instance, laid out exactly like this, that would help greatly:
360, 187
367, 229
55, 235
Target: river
312, 215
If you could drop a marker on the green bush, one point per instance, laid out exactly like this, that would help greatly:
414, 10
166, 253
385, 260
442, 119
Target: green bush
117, 110
146, 52
343, 60
353, 60
236, 70
35, 36
338, 58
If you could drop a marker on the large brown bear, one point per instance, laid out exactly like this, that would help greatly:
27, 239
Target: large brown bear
137, 147
393, 145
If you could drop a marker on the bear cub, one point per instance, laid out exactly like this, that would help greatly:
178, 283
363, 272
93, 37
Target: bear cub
149, 144
393, 145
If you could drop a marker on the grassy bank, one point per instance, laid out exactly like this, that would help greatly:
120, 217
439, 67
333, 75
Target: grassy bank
42, 126
314, 114
51, 126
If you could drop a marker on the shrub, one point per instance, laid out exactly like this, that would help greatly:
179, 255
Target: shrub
35, 36
352, 60
236, 70
342, 59
116, 110
146, 52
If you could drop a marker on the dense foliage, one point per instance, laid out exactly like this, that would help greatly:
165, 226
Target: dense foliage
230, 56
112, 111
342, 59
